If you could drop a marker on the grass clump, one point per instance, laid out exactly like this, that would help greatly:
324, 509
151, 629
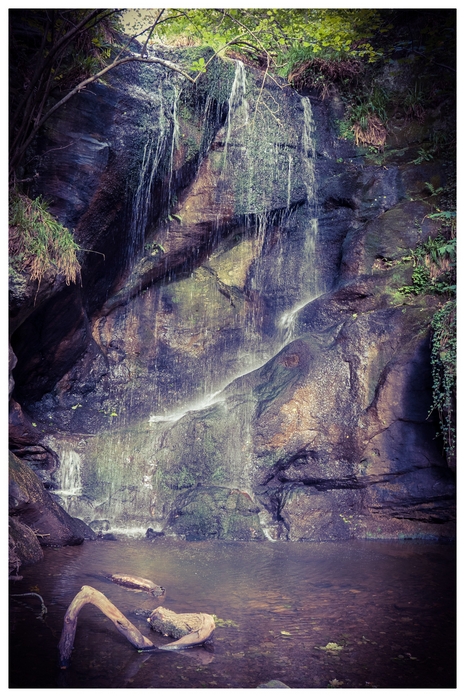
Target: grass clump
38, 243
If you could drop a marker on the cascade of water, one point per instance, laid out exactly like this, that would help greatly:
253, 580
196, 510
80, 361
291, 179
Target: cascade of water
174, 141
198, 405
68, 476
309, 149
314, 286
255, 352
129, 490
289, 180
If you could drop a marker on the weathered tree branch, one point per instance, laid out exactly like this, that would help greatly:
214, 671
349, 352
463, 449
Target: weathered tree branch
144, 51
194, 629
89, 595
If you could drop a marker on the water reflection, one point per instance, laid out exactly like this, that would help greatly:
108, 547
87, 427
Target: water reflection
368, 614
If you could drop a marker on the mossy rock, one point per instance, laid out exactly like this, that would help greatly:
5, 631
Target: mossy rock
216, 513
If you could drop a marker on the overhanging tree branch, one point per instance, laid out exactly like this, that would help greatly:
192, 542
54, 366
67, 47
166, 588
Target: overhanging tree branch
42, 66
152, 28
248, 31
17, 154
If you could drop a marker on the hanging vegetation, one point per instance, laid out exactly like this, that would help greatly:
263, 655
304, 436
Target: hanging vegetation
38, 243
435, 273
444, 357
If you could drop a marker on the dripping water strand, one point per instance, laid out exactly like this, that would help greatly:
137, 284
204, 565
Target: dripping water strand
238, 109
309, 149
174, 142
314, 288
289, 180
162, 134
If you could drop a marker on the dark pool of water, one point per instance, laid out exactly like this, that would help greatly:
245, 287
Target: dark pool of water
388, 607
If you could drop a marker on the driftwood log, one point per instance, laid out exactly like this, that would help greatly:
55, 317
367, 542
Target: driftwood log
133, 582
194, 629
190, 629
89, 595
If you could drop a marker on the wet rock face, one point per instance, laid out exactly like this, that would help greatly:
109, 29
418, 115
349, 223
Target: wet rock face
232, 239
36, 519
345, 441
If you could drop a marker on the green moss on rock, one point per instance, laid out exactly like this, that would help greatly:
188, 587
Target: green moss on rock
217, 513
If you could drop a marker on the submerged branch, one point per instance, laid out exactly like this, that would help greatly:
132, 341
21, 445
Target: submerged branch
43, 608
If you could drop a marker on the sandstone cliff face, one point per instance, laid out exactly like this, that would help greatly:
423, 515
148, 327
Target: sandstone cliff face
237, 362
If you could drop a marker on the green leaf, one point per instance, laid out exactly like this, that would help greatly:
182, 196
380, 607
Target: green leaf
198, 65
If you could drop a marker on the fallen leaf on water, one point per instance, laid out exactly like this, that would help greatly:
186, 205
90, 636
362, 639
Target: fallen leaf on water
331, 647
335, 684
411, 657
285, 633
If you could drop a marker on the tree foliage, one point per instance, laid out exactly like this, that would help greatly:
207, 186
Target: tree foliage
56, 53
282, 36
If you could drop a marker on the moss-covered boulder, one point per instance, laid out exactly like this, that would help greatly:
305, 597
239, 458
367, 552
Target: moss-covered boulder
216, 513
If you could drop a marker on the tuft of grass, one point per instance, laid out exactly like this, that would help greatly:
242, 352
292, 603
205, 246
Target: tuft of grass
370, 131
367, 120
38, 243
323, 75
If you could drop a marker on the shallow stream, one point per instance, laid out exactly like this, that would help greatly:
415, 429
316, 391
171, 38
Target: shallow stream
367, 614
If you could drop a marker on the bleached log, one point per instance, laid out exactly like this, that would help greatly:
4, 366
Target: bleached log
89, 595
190, 629
133, 582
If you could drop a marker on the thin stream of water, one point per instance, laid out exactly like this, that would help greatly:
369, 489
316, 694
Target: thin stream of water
368, 614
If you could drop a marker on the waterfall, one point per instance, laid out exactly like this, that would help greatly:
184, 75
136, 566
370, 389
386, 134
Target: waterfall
174, 141
68, 476
255, 350
289, 180
309, 148
139, 467
198, 405
314, 286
